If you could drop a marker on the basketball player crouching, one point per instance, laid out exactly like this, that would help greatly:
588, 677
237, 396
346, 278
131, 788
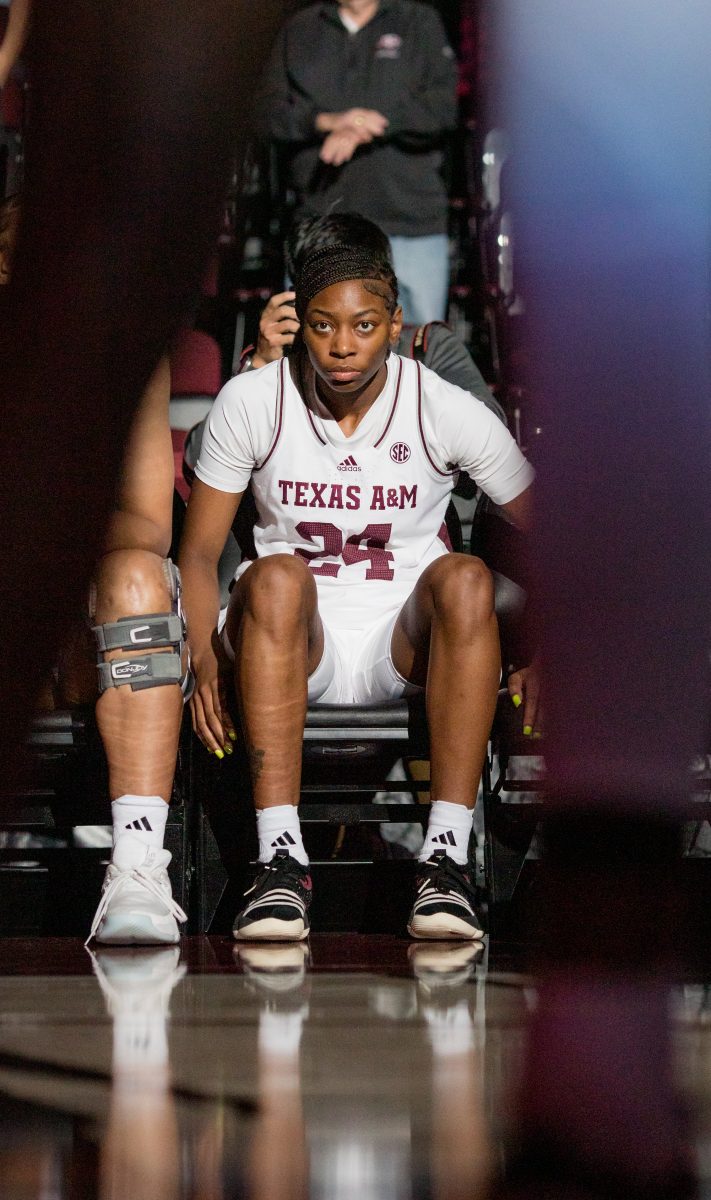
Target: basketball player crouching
352, 453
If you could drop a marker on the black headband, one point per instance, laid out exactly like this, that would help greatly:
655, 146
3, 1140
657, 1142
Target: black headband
329, 265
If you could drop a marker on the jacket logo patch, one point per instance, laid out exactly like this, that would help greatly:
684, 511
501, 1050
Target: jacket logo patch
388, 46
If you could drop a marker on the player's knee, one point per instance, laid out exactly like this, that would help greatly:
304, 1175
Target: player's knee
131, 582
281, 590
462, 589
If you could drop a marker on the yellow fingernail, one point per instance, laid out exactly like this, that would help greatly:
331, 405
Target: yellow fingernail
232, 735
537, 734
219, 754
528, 730
228, 749
516, 699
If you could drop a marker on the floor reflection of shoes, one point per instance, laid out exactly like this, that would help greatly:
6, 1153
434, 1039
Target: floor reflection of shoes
274, 968
139, 980
444, 964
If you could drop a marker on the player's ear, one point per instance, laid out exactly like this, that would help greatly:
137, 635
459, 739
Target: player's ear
395, 326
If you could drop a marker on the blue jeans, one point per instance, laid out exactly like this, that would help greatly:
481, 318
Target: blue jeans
422, 268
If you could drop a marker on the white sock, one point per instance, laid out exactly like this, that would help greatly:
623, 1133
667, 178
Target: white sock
142, 816
448, 829
278, 828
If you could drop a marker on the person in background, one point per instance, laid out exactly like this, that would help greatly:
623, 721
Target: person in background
362, 94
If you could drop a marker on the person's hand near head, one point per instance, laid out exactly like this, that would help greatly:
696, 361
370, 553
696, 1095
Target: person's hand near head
278, 325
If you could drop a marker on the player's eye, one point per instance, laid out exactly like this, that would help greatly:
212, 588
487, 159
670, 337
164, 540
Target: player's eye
366, 326
320, 326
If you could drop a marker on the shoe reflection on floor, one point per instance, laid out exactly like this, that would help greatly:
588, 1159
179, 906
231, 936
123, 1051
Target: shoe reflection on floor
461, 1153
140, 1151
278, 1167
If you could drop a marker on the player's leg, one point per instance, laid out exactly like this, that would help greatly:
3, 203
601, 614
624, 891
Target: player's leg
143, 670
446, 639
275, 631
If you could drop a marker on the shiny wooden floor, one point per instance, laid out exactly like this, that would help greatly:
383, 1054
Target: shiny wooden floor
368, 1067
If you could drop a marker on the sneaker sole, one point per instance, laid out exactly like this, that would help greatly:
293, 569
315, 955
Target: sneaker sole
270, 929
132, 931
442, 927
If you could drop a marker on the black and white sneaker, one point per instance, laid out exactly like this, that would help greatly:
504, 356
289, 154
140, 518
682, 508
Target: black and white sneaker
444, 901
277, 904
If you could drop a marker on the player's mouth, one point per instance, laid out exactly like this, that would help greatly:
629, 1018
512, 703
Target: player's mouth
343, 375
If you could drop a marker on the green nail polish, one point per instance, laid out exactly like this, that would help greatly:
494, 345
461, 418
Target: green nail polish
228, 749
516, 700
219, 754
537, 734
232, 735
527, 730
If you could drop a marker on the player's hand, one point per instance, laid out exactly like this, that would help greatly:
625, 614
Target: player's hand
524, 688
208, 704
339, 147
277, 326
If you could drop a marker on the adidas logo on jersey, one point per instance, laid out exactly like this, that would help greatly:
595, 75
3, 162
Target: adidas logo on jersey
445, 839
142, 824
284, 839
349, 464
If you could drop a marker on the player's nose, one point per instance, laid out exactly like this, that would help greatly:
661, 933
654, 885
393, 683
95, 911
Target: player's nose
342, 344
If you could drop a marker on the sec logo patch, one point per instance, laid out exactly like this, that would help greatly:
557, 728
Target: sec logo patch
400, 452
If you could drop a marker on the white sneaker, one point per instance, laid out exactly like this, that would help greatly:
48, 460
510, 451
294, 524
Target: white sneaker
137, 905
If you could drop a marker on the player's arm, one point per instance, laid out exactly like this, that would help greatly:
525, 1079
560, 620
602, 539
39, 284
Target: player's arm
520, 509
15, 36
208, 520
144, 513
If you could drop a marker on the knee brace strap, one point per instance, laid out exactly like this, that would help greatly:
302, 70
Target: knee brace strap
131, 633
145, 671
159, 631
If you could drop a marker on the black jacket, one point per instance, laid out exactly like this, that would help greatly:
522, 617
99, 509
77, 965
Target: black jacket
401, 64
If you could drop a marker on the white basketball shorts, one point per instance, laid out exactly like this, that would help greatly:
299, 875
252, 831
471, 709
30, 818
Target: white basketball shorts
356, 666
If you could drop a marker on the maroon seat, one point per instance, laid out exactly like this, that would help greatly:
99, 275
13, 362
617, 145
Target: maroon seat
195, 364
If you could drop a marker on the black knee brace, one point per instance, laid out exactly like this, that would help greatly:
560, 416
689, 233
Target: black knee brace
160, 631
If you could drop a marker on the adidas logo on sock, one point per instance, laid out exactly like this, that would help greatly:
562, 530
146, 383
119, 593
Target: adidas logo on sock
349, 464
284, 839
142, 824
445, 839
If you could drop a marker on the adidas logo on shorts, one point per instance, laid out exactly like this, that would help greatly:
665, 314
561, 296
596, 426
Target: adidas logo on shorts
284, 840
142, 824
445, 839
349, 464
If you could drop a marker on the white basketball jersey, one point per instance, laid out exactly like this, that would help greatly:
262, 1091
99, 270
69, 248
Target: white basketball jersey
365, 512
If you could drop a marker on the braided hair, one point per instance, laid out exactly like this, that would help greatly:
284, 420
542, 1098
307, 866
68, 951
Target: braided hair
321, 268
309, 232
